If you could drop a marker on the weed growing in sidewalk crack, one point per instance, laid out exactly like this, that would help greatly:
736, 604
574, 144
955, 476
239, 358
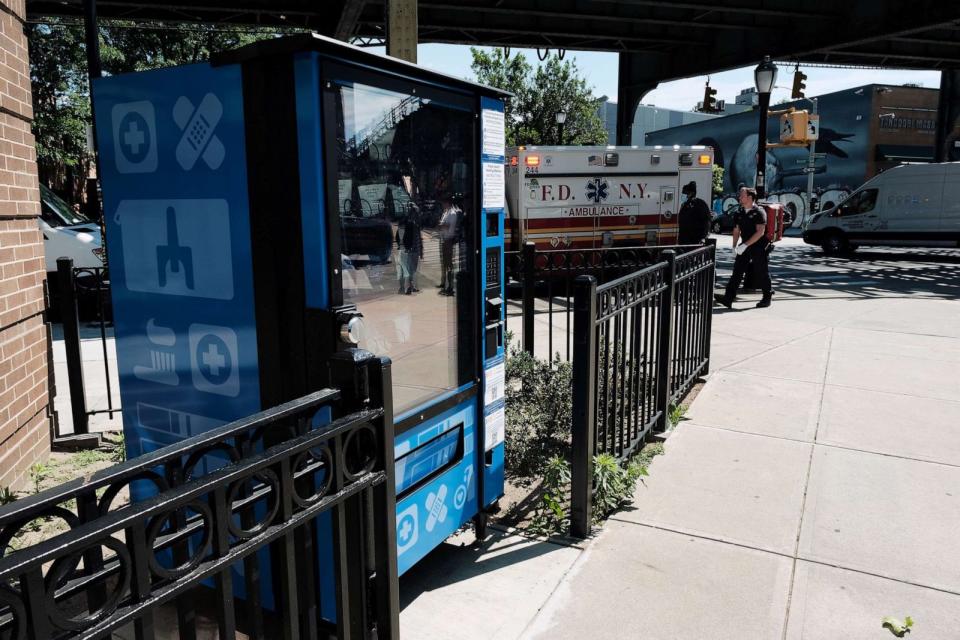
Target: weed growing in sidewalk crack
552, 517
613, 487
676, 414
7, 496
897, 627
38, 472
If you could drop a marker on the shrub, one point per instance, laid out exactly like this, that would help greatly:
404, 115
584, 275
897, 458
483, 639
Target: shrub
552, 516
613, 483
613, 487
539, 409
623, 389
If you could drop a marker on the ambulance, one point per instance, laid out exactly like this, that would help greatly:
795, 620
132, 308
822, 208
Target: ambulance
595, 197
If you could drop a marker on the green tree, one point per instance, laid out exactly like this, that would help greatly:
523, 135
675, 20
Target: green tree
61, 95
717, 180
61, 108
538, 94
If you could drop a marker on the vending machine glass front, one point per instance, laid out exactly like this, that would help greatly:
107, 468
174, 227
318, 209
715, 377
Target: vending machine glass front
404, 177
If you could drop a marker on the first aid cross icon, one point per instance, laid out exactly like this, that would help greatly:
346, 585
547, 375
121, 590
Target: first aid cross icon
406, 529
134, 137
213, 359
134, 132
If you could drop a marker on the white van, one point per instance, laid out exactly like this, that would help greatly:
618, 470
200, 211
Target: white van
67, 234
911, 205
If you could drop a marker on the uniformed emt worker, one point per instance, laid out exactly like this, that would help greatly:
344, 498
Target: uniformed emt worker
750, 244
694, 217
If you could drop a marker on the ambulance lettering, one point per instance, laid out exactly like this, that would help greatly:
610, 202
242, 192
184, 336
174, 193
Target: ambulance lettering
547, 193
590, 211
627, 190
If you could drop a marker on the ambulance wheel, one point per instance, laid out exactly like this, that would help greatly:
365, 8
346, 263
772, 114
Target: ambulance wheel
480, 525
834, 243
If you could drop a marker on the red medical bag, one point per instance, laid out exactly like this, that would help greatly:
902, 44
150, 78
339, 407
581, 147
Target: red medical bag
774, 211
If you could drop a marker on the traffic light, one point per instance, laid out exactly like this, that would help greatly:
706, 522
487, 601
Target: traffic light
709, 99
799, 84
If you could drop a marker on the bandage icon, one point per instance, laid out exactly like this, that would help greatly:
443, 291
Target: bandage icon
436, 508
198, 139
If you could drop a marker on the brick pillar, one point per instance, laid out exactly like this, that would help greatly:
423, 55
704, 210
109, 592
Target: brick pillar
24, 425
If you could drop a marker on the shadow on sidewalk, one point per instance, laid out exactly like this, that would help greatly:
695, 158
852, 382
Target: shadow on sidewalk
868, 273
459, 560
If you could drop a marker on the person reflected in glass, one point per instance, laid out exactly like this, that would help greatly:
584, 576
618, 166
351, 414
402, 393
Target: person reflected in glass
409, 240
448, 238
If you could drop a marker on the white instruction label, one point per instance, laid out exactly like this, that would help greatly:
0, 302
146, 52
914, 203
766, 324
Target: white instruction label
492, 185
494, 382
493, 133
495, 424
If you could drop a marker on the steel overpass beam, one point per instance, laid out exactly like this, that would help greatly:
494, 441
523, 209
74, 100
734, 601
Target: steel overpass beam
349, 17
401, 22
637, 76
947, 146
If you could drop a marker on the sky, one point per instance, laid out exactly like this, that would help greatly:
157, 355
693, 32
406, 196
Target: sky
600, 69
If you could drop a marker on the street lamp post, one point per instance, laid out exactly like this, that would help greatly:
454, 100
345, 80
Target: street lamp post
561, 117
764, 77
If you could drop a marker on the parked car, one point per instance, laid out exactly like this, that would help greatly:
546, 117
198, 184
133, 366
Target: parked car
914, 205
722, 222
369, 238
69, 234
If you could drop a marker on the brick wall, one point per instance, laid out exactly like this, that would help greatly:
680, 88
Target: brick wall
24, 425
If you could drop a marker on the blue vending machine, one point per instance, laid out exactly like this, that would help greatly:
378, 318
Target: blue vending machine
295, 198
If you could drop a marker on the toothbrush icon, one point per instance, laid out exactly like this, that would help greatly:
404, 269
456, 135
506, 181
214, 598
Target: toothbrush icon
163, 365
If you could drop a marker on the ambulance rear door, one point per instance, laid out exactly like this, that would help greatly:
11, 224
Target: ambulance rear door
668, 214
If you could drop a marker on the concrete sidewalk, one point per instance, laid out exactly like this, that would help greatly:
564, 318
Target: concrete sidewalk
95, 379
814, 489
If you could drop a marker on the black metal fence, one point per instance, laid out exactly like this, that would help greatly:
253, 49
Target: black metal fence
234, 510
546, 282
694, 274
639, 343
84, 289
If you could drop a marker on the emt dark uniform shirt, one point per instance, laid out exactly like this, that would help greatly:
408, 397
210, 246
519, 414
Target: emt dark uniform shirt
748, 221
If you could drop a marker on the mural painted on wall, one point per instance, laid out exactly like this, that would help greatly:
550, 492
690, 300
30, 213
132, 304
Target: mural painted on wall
844, 133
844, 145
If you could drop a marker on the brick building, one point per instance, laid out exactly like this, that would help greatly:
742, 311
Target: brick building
24, 424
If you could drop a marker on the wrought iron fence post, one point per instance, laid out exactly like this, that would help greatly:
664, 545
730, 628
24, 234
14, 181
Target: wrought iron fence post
529, 300
664, 356
584, 404
387, 587
708, 303
350, 373
71, 341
